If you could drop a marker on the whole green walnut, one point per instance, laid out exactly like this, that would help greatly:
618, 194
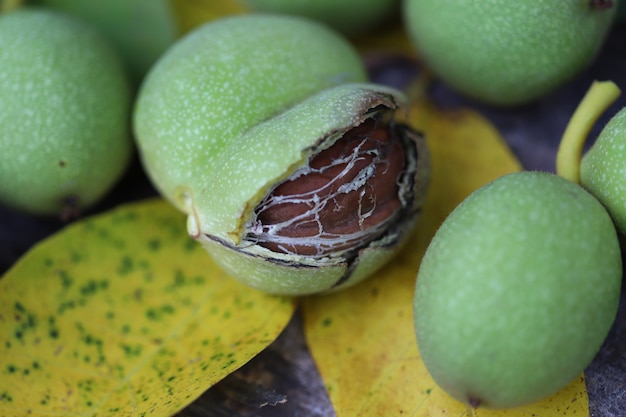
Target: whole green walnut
602, 170
65, 113
347, 16
508, 53
289, 165
517, 290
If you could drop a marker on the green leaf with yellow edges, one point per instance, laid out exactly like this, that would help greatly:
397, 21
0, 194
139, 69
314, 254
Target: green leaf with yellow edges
123, 314
362, 339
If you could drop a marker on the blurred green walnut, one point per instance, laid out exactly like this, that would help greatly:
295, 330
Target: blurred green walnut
141, 30
64, 113
508, 52
289, 165
347, 16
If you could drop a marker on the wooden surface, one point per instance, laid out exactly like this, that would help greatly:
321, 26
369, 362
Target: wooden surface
283, 381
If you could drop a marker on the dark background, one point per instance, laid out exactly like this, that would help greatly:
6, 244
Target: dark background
285, 370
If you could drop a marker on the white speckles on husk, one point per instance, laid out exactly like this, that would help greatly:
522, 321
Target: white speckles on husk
517, 290
507, 52
64, 118
237, 107
224, 78
603, 169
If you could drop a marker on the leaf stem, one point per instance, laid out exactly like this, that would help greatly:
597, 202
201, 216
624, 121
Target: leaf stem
598, 98
417, 90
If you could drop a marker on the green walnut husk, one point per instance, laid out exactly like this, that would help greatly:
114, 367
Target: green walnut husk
65, 101
243, 106
140, 30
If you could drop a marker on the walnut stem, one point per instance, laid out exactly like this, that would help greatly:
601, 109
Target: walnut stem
598, 98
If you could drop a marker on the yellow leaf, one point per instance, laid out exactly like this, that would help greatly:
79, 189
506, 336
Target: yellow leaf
362, 339
191, 13
391, 40
124, 315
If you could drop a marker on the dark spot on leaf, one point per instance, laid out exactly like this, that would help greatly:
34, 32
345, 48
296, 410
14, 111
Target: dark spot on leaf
160, 312
66, 280
126, 266
154, 245
131, 351
179, 279
62, 163
124, 216
229, 364
31, 322
93, 286
105, 235
54, 333
190, 245
19, 307
11, 369
66, 305
327, 322
76, 257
